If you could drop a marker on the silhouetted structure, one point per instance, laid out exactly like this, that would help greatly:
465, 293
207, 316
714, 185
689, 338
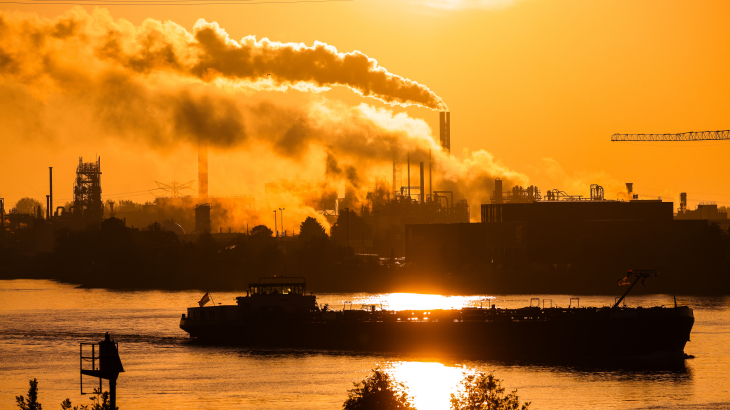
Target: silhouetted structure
202, 218
566, 211
684, 136
49, 211
277, 312
583, 238
105, 364
88, 208
705, 211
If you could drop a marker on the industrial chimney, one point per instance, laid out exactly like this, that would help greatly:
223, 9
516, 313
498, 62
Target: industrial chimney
445, 130
423, 185
202, 167
497, 191
630, 188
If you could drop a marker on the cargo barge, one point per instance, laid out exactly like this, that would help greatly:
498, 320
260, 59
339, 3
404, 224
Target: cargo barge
277, 312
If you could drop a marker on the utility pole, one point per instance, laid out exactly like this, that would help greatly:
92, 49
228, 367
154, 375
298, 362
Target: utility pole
50, 201
282, 219
275, 228
2, 218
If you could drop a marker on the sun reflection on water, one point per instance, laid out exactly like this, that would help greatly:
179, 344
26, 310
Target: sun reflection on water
415, 301
430, 384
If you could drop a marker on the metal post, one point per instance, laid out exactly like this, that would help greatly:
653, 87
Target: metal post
112, 393
618, 302
48, 208
50, 179
275, 227
281, 214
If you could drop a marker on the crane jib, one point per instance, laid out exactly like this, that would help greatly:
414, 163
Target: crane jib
685, 136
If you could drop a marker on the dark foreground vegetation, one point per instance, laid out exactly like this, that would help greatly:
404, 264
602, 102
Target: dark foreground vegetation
116, 256
481, 390
378, 391
99, 401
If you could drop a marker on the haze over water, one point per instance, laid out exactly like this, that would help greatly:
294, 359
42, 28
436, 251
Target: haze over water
42, 323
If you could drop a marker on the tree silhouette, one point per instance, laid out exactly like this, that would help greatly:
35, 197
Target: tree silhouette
483, 391
378, 392
28, 206
31, 402
358, 228
311, 229
100, 401
261, 231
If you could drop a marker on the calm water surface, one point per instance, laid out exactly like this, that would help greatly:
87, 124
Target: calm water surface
42, 323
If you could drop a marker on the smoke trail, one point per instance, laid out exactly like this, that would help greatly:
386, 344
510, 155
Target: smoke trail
32, 48
158, 85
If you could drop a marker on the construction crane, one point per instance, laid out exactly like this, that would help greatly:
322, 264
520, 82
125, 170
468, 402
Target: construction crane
685, 136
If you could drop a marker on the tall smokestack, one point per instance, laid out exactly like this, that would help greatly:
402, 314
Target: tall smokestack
48, 207
630, 188
497, 191
408, 159
445, 130
430, 186
423, 184
202, 167
50, 196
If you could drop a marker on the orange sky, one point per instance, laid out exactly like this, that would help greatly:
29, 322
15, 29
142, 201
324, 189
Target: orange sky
540, 84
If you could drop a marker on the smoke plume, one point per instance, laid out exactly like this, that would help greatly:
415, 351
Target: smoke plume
34, 49
157, 85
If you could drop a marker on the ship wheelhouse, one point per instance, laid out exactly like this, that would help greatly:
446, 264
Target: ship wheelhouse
287, 294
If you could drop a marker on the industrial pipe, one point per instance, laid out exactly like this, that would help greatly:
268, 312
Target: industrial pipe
438, 197
446, 192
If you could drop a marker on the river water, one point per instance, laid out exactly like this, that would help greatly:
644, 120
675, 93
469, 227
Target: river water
42, 323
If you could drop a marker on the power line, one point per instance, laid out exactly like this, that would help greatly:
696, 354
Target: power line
21, 179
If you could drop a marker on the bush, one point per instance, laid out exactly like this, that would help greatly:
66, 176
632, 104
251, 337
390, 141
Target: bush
100, 401
31, 403
483, 391
378, 392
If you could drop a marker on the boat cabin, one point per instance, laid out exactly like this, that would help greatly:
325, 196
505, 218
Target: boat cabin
279, 293
276, 289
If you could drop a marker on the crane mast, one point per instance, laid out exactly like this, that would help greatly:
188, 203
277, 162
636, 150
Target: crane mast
685, 136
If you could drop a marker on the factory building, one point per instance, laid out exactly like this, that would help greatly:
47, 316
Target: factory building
578, 238
705, 211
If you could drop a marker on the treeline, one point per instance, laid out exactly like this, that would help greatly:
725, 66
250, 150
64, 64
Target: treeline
116, 256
